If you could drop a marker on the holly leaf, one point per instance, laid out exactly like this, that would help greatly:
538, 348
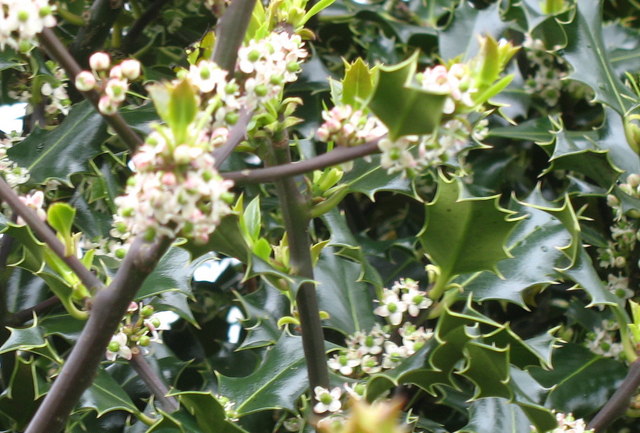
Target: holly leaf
403, 108
65, 150
499, 415
173, 273
488, 368
463, 235
582, 381
106, 395
340, 294
207, 411
276, 384
587, 54
358, 83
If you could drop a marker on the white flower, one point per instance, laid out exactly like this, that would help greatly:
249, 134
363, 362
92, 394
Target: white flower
344, 362
130, 69
327, 401
416, 300
391, 306
35, 201
118, 347
568, 424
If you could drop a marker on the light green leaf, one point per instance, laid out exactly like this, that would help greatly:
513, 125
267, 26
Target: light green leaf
464, 235
60, 216
405, 109
358, 83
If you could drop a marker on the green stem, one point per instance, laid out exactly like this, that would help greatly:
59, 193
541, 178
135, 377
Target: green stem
295, 210
625, 338
70, 17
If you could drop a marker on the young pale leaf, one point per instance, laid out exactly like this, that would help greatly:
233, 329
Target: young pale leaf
357, 84
67, 149
402, 107
182, 110
464, 235
276, 384
60, 216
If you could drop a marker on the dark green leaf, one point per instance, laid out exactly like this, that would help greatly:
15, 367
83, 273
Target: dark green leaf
67, 149
106, 395
277, 382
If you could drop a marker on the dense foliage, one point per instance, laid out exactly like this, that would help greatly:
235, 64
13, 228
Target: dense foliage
344, 216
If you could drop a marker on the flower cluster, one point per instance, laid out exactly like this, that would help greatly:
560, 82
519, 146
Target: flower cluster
12, 173
547, 72
348, 127
176, 191
141, 330
112, 86
52, 92
267, 64
409, 154
455, 81
602, 341
22, 20
372, 352
624, 237
568, 424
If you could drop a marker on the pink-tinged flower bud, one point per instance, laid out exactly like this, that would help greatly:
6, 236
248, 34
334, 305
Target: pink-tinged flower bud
85, 81
130, 69
107, 106
169, 179
133, 306
116, 72
100, 61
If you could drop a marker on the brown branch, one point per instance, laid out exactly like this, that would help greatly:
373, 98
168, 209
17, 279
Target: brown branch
336, 156
45, 234
153, 381
56, 50
108, 308
22, 316
619, 401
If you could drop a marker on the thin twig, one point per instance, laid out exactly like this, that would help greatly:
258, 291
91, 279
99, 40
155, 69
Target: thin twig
45, 234
25, 315
108, 308
619, 401
237, 133
336, 156
153, 381
138, 26
91, 37
57, 51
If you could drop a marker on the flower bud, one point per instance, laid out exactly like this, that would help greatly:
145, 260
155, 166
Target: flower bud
147, 311
107, 106
114, 346
144, 341
633, 180
99, 61
130, 69
85, 81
